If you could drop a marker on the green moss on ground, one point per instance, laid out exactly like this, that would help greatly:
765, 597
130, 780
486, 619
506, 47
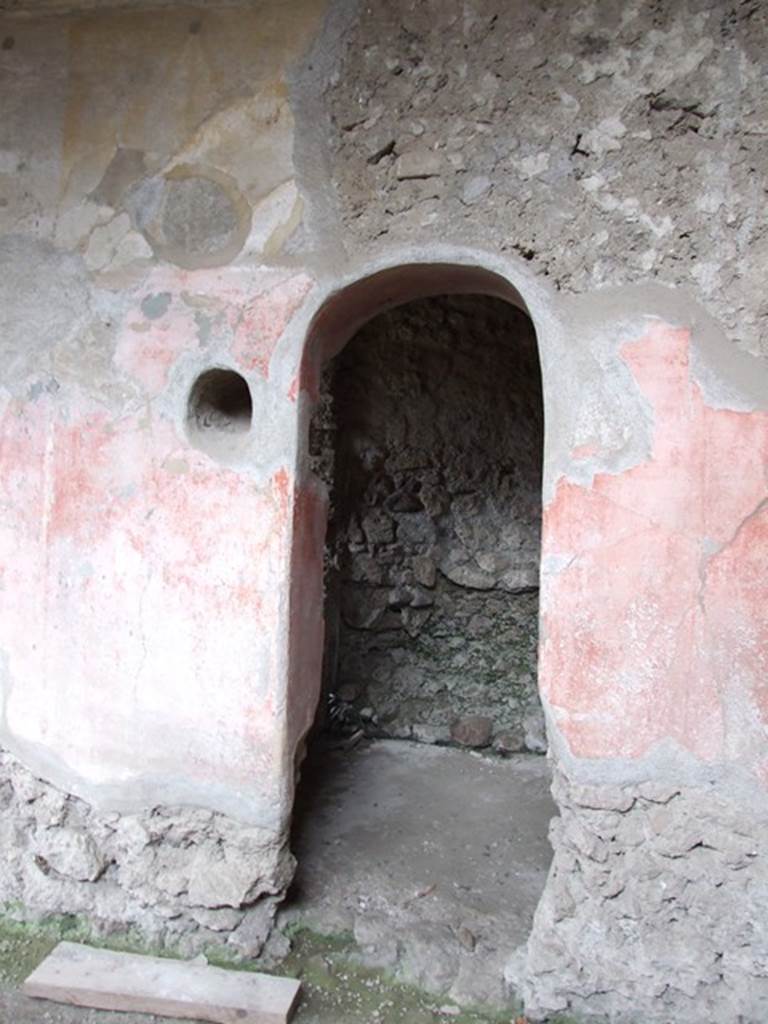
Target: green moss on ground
336, 988
23, 944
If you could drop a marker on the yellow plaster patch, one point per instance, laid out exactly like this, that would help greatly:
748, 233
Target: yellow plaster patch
167, 82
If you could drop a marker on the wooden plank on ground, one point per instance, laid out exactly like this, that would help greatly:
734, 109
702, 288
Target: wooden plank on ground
82, 976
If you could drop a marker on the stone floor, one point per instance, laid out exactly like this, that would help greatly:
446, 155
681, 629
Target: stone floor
407, 855
434, 858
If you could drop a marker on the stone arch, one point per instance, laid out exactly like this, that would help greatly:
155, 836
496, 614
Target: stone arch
327, 326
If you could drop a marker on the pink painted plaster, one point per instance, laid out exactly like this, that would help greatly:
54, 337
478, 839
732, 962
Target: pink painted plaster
252, 307
307, 599
263, 321
140, 604
145, 587
656, 627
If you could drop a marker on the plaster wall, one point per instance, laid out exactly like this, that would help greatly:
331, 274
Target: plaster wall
144, 639
161, 607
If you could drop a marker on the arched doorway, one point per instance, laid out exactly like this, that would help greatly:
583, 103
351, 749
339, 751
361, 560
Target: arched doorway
428, 433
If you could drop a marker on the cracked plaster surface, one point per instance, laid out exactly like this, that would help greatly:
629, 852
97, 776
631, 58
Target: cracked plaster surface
688, 526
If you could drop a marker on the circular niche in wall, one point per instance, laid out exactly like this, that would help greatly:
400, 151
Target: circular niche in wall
219, 412
199, 217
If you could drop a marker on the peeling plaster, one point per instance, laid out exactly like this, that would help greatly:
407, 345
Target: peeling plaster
640, 661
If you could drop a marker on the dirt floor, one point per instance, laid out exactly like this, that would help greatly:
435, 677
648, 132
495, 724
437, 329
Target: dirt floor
434, 858
406, 854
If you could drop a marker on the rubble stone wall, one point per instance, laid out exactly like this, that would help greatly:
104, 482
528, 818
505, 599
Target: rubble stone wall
436, 420
181, 878
606, 143
653, 909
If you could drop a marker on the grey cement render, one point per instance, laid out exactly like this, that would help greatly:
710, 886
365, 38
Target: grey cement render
610, 165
